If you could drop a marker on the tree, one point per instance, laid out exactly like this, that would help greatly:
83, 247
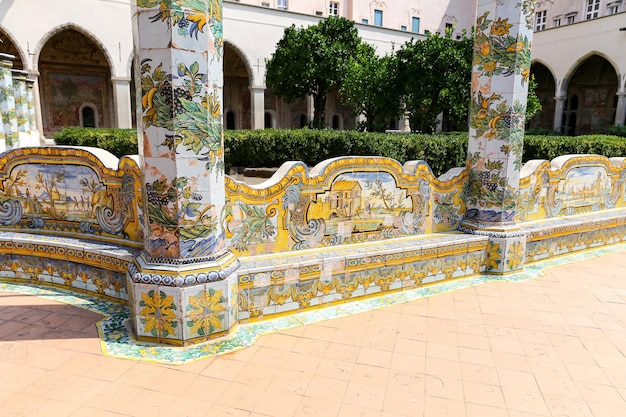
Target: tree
369, 88
312, 61
533, 104
435, 75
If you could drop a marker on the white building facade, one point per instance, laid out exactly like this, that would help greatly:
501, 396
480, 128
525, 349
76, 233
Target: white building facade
579, 62
79, 52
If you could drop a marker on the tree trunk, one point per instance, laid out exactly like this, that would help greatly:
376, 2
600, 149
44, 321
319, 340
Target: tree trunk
319, 110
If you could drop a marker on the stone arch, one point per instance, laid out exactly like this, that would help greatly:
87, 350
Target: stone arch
237, 81
10, 46
546, 91
70, 26
74, 69
593, 80
582, 59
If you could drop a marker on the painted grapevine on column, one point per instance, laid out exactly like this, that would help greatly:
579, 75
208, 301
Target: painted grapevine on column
500, 76
181, 103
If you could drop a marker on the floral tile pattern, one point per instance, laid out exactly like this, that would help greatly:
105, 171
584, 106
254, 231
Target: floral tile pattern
10, 136
117, 340
344, 201
501, 69
181, 123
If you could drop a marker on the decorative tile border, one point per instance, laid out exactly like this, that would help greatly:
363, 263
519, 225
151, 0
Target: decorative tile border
117, 340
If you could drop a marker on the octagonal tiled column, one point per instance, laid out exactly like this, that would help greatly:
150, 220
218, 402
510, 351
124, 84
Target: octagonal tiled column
32, 116
21, 107
500, 75
10, 137
183, 286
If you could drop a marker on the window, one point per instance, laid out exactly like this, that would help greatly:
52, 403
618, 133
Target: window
415, 25
593, 8
365, 21
448, 28
540, 20
556, 22
333, 8
89, 117
281, 4
319, 13
378, 17
613, 8
403, 28
571, 18
265, 4
230, 120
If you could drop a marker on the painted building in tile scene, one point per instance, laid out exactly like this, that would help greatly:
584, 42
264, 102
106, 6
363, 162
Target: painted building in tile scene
80, 57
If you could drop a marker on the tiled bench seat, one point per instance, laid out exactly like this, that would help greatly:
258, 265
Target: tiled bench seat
562, 235
77, 264
292, 281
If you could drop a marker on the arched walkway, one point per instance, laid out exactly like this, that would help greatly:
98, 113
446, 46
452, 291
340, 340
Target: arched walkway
591, 97
74, 71
546, 90
7, 46
237, 87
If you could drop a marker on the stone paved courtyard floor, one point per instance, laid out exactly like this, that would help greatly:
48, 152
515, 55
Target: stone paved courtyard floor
548, 345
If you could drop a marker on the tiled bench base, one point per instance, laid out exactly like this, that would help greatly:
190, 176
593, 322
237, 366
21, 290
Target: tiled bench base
563, 235
76, 264
296, 281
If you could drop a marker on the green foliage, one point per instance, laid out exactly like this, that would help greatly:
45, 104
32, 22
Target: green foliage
273, 147
617, 130
312, 60
435, 77
549, 147
119, 142
542, 131
369, 88
533, 105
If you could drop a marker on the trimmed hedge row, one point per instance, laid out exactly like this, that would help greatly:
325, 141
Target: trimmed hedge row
549, 147
272, 147
119, 142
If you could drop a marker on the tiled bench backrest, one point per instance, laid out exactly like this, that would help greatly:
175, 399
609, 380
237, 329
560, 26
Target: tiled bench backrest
84, 193
341, 201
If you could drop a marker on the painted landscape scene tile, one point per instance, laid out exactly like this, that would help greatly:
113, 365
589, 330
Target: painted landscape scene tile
52, 192
367, 201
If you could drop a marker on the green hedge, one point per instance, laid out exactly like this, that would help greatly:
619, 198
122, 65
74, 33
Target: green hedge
272, 147
617, 130
549, 147
119, 142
